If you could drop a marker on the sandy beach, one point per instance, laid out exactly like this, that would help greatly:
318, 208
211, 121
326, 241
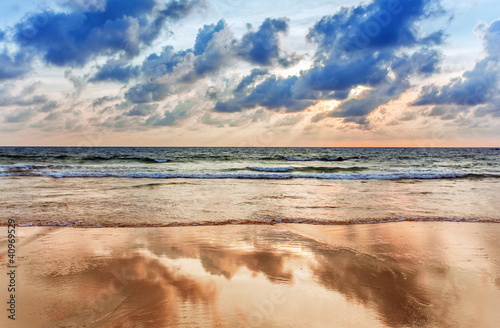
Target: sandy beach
405, 274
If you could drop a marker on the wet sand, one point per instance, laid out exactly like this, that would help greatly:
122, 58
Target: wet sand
404, 274
127, 202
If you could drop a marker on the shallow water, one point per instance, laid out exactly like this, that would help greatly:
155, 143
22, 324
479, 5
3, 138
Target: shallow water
95, 202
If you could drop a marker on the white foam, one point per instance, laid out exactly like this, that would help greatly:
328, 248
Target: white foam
271, 169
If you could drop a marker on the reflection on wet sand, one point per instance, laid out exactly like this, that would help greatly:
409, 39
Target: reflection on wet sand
260, 276
393, 291
133, 291
227, 263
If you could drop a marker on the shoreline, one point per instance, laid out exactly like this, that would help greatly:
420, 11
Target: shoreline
266, 222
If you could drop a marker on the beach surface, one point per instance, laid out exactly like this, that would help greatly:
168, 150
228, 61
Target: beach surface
400, 274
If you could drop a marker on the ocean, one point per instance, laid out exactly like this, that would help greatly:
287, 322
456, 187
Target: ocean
162, 186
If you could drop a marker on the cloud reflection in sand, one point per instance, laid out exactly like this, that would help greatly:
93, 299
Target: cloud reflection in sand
233, 276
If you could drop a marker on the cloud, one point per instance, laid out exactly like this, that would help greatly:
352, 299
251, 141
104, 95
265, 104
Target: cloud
170, 118
475, 87
289, 60
369, 69
215, 48
118, 72
478, 86
273, 93
164, 72
423, 62
49, 106
85, 5
75, 37
16, 66
20, 115
208, 119
24, 101
147, 92
262, 46
250, 79
103, 100
378, 25
290, 120
79, 83
54, 116
25, 98
394, 49
205, 36
142, 110
163, 64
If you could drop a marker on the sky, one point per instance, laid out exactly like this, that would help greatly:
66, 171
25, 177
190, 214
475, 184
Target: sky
400, 73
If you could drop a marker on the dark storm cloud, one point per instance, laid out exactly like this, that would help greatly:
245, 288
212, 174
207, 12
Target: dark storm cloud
117, 72
75, 37
478, 86
377, 45
262, 46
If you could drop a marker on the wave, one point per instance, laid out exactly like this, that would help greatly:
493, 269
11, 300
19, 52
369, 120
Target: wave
188, 157
35, 158
272, 169
261, 221
31, 167
332, 169
318, 169
125, 158
61, 171
322, 159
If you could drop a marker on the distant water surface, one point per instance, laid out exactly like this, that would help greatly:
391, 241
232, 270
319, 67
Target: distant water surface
257, 163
